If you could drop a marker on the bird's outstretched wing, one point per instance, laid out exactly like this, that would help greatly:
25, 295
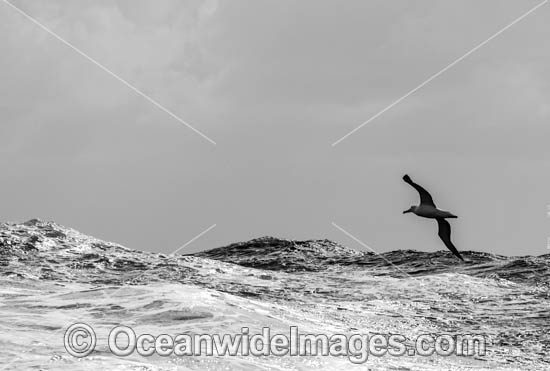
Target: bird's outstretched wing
425, 197
445, 235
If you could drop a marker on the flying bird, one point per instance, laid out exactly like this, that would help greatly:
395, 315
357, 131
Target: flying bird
427, 209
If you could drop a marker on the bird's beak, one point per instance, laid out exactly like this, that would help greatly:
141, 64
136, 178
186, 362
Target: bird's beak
407, 211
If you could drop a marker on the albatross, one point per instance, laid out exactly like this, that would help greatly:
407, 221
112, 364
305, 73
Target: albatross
427, 209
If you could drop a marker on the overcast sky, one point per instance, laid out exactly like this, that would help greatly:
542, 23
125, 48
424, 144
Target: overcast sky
275, 83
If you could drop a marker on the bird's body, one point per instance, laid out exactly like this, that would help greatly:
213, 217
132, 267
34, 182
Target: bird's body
427, 209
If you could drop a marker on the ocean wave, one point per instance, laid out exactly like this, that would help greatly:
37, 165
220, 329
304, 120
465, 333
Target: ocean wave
51, 250
319, 282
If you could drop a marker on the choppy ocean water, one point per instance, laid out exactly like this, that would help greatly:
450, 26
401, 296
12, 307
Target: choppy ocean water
52, 276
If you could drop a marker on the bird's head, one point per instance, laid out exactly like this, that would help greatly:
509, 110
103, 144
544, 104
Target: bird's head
411, 209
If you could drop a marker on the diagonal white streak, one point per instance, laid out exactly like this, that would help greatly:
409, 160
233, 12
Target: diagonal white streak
194, 239
445, 69
101, 66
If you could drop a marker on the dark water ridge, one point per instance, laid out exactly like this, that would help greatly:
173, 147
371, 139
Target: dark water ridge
314, 255
53, 249
506, 298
